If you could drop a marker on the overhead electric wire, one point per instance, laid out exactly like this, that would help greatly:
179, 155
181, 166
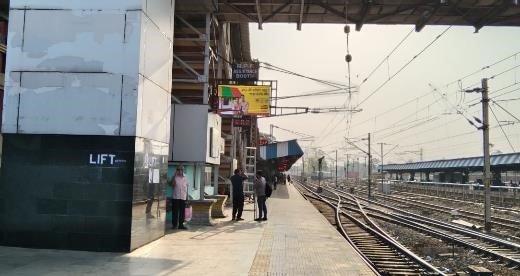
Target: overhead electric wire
387, 56
282, 70
443, 138
435, 127
484, 68
314, 93
505, 110
502, 129
446, 85
403, 67
477, 100
508, 100
427, 121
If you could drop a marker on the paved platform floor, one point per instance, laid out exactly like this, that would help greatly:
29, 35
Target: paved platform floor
296, 240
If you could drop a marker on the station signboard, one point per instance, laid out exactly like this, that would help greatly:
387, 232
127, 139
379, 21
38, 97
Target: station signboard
244, 100
245, 71
244, 121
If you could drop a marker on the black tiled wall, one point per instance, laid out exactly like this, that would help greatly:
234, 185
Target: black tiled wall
149, 205
52, 196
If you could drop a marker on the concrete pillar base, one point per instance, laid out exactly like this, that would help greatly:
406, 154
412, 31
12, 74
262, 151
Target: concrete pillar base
202, 211
218, 208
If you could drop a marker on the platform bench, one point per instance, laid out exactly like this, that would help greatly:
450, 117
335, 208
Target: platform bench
217, 211
201, 211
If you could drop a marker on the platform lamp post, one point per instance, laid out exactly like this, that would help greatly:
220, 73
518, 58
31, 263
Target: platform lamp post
485, 135
319, 190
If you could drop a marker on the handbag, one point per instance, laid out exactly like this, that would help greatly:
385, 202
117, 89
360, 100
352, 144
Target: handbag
188, 212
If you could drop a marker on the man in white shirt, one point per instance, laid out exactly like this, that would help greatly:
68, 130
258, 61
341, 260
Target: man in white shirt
180, 193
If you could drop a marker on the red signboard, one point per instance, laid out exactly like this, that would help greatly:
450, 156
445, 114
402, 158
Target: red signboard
242, 122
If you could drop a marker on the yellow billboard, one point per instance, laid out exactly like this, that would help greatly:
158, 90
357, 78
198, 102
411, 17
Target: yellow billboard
247, 100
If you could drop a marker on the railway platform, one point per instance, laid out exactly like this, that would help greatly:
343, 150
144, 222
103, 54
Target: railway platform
295, 240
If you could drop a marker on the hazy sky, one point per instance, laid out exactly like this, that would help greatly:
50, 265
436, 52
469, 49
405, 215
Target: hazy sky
429, 120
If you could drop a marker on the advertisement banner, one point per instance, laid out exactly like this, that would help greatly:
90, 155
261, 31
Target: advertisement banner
239, 100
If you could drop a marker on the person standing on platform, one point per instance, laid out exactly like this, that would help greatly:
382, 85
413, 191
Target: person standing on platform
260, 184
237, 181
289, 179
275, 181
180, 193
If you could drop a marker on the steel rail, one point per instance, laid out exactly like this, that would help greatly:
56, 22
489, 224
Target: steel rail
375, 230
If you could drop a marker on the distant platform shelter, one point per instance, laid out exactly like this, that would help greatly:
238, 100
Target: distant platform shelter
499, 162
279, 156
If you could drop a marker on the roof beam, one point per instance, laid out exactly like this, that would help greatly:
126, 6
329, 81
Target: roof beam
397, 11
425, 18
278, 10
462, 13
237, 9
492, 14
330, 9
259, 15
300, 21
363, 14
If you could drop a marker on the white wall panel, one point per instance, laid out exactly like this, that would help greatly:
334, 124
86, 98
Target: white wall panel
160, 13
155, 113
89, 41
215, 122
157, 62
11, 102
115, 39
129, 106
69, 103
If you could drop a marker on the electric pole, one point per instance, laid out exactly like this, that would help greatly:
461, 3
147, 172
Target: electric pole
357, 161
336, 182
303, 166
319, 190
369, 169
487, 163
382, 164
346, 171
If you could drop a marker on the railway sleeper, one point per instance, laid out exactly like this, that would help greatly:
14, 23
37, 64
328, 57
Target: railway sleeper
400, 272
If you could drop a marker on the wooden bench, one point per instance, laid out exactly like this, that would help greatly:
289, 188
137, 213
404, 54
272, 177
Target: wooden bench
201, 211
217, 211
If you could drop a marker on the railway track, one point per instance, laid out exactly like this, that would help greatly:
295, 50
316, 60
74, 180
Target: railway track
455, 200
503, 223
376, 247
488, 246
458, 201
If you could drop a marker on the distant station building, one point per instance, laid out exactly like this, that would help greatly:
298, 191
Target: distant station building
504, 167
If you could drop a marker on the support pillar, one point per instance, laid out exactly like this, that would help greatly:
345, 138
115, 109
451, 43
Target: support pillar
86, 123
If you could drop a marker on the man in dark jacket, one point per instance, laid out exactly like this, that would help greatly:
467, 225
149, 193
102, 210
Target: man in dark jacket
237, 181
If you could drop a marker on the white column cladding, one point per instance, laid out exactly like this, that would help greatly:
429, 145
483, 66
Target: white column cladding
97, 67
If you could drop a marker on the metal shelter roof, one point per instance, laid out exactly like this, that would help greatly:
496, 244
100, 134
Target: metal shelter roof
476, 13
510, 160
280, 149
280, 156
